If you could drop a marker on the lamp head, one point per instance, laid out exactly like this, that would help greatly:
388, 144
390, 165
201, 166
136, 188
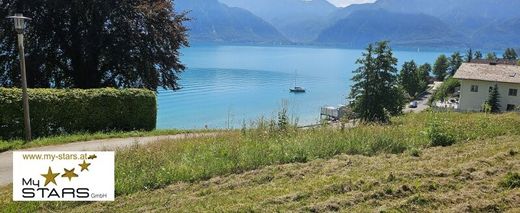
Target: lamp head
19, 22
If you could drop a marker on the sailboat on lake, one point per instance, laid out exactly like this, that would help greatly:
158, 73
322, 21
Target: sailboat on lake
296, 89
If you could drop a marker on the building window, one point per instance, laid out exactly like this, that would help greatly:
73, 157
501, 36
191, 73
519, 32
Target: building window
490, 89
511, 107
474, 88
513, 92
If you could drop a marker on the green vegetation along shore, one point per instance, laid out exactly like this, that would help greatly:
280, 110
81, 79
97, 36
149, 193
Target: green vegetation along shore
396, 166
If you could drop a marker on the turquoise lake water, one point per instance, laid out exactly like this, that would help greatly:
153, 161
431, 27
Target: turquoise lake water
227, 85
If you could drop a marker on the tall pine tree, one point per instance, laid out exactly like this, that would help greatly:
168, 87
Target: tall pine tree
493, 101
455, 63
409, 78
375, 93
441, 66
478, 55
469, 56
510, 54
424, 76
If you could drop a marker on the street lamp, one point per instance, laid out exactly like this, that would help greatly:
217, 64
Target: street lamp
19, 25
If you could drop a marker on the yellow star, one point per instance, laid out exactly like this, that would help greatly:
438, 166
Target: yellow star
69, 174
50, 177
84, 165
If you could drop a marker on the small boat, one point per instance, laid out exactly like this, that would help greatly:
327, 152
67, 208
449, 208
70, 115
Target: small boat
297, 90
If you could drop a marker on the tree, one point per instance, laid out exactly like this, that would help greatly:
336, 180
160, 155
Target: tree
469, 56
455, 63
441, 66
424, 76
96, 43
493, 103
446, 89
409, 78
478, 55
492, 56
375, 93
510, 54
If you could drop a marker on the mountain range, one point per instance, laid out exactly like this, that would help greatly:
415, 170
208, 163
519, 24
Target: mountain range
468, 23
298, 20
363, 27
491, 24
212, 21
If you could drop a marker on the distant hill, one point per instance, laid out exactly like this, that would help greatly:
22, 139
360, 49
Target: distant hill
467, 16
298, 20
499, 34
213, 21
476, 23
368, 26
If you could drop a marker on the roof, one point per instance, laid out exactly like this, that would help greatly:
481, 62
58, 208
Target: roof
487, 72
495, 61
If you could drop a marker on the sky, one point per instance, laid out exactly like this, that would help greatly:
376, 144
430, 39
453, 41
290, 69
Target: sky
344, 3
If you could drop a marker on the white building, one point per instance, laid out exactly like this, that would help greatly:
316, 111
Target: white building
477, 80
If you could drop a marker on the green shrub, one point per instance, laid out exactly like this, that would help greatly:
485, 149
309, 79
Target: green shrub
445, 90
512, 180
486, 107
414, 152
439, 136
64, 111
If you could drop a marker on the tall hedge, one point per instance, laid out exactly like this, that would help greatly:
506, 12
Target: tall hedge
59, 111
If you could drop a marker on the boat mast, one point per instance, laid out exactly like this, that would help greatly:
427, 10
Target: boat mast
295, 77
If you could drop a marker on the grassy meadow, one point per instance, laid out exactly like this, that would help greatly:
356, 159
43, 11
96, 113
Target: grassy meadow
466, 177
257, 155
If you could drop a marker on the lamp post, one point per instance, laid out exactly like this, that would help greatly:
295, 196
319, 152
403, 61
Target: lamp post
19, 25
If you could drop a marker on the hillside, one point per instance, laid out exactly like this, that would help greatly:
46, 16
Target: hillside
215, 22
461, 178
369, 167
368, 26
298, 20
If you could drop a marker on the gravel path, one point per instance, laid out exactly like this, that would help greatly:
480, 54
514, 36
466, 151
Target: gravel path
6, 158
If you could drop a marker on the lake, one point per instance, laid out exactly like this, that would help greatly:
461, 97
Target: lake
225, 86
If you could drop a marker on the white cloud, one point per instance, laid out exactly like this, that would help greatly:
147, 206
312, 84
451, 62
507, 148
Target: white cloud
344, 3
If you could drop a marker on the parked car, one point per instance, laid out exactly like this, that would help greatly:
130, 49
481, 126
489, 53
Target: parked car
413, 104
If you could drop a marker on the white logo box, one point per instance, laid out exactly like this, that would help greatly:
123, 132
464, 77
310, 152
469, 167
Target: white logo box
63, 176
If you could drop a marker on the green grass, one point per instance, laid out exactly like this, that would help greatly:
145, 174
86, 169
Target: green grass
62, 139
511, 180
159, 165
200, 159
